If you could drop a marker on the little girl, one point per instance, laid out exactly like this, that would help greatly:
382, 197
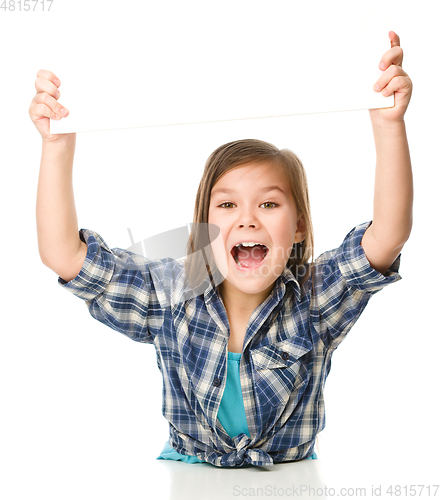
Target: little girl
244, 336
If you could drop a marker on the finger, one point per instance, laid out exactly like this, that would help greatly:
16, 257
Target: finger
51, 103
46, 82
391, 56
44, 73
42, 85
391, 72
395, 42
397, 83
394, 39
43, 110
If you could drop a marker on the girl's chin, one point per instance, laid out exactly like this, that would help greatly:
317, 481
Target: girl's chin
246, 286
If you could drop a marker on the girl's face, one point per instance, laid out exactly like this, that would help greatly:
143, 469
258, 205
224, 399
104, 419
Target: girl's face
246, 210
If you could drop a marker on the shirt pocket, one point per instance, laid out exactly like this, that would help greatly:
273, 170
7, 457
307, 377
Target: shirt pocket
279, 370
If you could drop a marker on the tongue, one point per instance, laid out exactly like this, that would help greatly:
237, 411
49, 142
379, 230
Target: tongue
250, 256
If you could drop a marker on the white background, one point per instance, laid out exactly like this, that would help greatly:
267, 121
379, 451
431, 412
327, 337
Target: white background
80, 403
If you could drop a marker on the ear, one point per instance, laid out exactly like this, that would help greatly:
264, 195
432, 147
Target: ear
301, 230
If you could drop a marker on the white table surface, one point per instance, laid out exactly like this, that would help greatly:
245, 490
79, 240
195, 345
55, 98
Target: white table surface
304, 479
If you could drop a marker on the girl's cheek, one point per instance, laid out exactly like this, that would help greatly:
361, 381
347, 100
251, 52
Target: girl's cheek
218, 248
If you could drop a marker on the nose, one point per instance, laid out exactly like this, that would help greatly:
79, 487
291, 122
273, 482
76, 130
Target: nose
247, 218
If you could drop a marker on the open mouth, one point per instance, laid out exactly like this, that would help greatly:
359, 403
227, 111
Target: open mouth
249, 257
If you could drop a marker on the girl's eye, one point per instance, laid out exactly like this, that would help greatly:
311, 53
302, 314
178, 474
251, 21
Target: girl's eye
270, 203
266, 203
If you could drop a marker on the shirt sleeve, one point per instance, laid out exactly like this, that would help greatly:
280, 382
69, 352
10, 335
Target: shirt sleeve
343, 281
121, 289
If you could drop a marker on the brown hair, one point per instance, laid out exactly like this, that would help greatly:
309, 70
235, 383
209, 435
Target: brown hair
222, 160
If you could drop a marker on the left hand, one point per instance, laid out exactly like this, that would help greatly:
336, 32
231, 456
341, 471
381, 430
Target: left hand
394, 79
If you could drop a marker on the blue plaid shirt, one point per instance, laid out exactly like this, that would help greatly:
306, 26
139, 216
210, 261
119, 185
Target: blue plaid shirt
286, 354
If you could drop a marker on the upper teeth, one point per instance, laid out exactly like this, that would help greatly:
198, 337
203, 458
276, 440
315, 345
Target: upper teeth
248, 244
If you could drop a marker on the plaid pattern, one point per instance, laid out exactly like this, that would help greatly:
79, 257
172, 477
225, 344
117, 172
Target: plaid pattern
286, 355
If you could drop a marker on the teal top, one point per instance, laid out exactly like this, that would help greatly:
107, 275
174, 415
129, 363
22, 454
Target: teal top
231, 412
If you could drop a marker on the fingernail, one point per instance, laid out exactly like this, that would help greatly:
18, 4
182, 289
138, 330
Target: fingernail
382, 65
376, 87
57, 82
63, 111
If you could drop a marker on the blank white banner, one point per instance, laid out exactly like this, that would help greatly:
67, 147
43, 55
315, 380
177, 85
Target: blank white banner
166, 63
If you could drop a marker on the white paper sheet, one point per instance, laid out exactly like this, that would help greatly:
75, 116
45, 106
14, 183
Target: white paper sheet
169, 63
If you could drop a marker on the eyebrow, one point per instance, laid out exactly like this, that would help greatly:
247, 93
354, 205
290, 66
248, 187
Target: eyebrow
232, 191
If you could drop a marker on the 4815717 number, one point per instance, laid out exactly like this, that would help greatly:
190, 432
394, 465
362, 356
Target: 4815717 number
26, 5
413, 490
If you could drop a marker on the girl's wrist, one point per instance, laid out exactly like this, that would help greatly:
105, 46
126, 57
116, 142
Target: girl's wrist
61, 139
60, 144
388, 127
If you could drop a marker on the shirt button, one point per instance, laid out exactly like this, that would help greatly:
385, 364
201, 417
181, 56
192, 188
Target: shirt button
216, 382
285, 356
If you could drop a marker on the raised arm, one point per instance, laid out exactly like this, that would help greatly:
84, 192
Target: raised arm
393, 194
59, 244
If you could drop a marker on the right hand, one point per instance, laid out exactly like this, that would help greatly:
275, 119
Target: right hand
44, 105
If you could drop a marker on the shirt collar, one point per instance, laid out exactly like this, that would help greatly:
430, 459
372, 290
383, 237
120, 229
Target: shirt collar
287, 277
